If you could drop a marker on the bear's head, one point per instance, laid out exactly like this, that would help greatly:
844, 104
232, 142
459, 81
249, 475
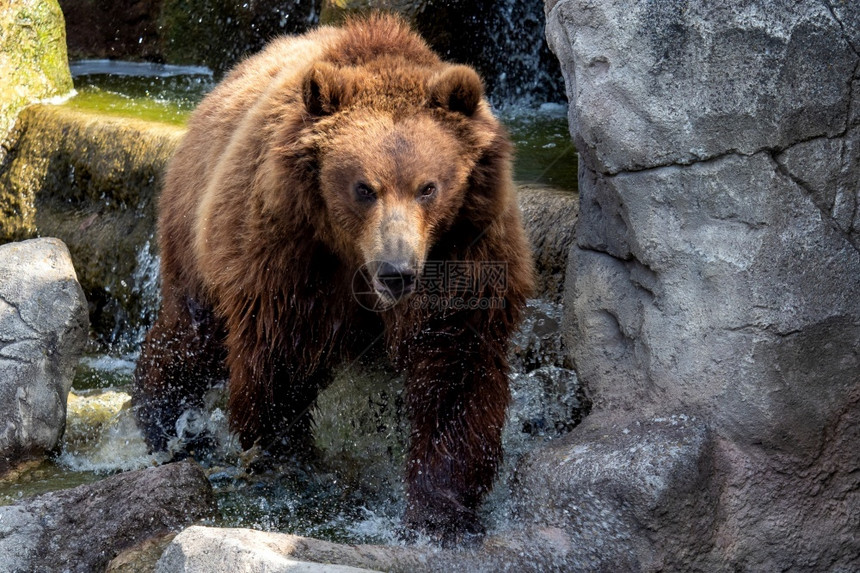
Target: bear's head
397, 154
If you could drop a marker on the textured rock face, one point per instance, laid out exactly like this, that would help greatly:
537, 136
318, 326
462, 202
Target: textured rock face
92, 180
605, 484
658, 83
549, 217
213, 550
716, 269
205, 550
43, 329
33, 62
83, 528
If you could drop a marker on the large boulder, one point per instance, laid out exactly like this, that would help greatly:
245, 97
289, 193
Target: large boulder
92, 181
83, 528
716, 270
33, 61
630, 497
43, 330
207, 550
215, 550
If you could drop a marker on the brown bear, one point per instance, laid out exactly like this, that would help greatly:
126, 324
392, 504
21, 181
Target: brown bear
346, 153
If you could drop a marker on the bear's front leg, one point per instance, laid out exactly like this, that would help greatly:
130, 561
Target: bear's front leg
182, 357
457, 394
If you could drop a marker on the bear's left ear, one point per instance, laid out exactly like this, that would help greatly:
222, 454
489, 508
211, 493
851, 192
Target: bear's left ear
458, 89
326, 89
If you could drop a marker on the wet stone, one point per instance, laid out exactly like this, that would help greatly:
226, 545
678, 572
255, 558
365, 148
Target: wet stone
83, 528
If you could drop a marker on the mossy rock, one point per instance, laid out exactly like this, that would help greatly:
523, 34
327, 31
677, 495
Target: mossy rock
360, 427
33, 60
92, 181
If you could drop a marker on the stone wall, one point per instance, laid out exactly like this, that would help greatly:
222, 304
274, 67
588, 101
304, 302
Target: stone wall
716, 269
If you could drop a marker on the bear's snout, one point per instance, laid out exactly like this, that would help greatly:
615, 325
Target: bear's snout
394, 281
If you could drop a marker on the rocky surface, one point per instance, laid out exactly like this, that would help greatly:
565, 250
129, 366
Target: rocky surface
43, 330
654, 84
549, 216
531, 550
208, 550
33, 61
612, 488
716, 270
83, 528
92, 181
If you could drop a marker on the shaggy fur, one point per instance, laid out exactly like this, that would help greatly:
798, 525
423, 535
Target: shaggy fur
322, 155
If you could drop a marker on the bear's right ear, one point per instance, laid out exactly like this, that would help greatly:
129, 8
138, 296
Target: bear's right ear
326, 89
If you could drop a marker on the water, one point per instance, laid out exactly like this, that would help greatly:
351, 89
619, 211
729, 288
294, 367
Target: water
153, 92
168, 94
544, 152
354, 492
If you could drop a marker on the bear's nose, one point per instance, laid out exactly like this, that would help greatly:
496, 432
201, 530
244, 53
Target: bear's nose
398, 280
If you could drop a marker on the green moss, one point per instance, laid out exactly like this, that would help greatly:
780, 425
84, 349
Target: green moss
34, 65
91, 181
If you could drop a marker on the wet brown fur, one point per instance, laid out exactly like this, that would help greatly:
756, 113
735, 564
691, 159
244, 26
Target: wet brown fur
260, 246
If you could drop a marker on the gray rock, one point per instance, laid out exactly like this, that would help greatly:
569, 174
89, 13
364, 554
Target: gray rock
43, 329
716, 269
678, 81
826, 169
82, 529
615, 489
549, 216
209, 550
715, 291
213, 550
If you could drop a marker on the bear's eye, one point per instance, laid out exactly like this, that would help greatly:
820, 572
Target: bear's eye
427, 191
363, 192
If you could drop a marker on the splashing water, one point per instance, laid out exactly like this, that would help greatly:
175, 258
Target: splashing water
354, 493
